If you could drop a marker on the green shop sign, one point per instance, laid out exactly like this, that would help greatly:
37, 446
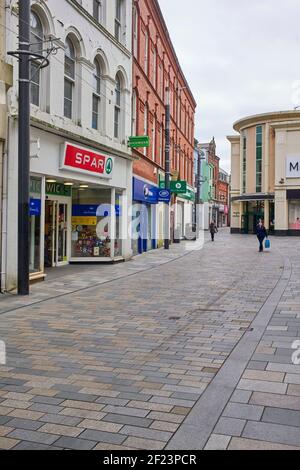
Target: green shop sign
177, 187
189, 195
58, 189
139, 141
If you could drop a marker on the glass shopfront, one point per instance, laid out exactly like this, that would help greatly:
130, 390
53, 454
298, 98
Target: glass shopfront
92, 224
294, 215
145, 200
35, 218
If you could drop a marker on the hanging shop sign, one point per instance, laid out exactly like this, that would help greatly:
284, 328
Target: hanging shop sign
164, 195
177, 187
86, 161
139, 141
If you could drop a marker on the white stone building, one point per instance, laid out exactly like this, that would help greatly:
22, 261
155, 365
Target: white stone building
80, 123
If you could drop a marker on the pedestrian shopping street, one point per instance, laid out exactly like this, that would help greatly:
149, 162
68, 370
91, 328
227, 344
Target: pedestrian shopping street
172, 350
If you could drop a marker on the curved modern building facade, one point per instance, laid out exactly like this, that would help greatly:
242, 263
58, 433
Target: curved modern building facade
265, 173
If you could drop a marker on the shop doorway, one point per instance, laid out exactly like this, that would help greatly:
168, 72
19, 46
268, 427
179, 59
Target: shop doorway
253, 211
57, 222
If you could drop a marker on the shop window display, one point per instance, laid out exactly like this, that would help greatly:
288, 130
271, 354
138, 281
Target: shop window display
91, 236
294, 215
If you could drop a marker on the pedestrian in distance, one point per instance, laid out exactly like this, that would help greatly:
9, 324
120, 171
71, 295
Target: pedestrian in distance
213, 230
261, 233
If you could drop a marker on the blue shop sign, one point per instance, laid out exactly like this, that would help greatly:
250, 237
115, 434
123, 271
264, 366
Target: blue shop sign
144, 192
92, 210
35, 207
164, 195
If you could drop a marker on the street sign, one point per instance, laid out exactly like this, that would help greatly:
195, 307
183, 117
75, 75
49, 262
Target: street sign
139, 141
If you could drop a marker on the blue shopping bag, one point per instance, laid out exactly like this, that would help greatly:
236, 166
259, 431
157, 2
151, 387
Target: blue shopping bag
267, 244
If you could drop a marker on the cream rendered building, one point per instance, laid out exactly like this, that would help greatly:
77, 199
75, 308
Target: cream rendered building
265, 169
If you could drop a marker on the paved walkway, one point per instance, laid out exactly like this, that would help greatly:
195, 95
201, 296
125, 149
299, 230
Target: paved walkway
179, 350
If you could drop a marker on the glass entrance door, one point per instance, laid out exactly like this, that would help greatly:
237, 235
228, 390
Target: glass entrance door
56, 233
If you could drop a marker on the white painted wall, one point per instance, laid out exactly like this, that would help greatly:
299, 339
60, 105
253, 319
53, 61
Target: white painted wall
60, 18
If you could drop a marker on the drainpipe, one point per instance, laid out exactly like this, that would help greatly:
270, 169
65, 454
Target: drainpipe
4, 209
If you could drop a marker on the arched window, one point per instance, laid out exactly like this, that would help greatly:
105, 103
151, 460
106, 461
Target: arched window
70, 78
118, 102
37, 45
96, 95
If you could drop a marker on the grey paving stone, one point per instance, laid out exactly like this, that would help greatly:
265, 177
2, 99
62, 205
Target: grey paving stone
257, 365
112, 401
33, 436
52, 409
217, 442
24, 445
262, 386
4, 420
146, 433
230, 426
130, 420
60, 419
282, 416
272, 433
101, 436
73, 443
279, 401
76, 396
24, 424
126, 411
241, 396
243, 411
46, 400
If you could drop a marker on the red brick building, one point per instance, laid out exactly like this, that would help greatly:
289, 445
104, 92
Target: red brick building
156, 68
223, 198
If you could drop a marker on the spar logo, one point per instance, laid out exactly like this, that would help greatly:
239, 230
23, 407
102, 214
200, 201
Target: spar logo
109, 166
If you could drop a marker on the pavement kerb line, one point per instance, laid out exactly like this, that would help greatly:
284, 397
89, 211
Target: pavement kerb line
196, 429
189, 252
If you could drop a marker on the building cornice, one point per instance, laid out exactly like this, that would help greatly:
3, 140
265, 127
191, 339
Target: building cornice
233, 139
278, 116
171, 48
80, 139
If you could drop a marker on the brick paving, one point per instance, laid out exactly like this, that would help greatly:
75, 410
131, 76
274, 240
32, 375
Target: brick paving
124, 364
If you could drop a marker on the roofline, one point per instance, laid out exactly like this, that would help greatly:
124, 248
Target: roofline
167, 34
265, 117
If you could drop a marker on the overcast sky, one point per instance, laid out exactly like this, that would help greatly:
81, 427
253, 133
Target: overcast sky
240, 58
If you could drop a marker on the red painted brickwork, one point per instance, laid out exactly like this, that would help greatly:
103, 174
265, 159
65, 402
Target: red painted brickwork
155, 68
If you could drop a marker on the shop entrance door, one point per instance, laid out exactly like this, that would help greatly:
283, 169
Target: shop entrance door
57, 216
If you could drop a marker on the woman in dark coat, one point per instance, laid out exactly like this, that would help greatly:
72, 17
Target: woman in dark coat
213, 230
261, 233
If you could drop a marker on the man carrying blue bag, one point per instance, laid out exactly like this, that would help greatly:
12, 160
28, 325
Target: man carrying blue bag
262, 233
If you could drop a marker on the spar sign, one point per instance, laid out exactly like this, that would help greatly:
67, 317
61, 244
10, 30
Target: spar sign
86, 161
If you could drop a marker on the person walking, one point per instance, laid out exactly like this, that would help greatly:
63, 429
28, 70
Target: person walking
261, 233
213, 230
